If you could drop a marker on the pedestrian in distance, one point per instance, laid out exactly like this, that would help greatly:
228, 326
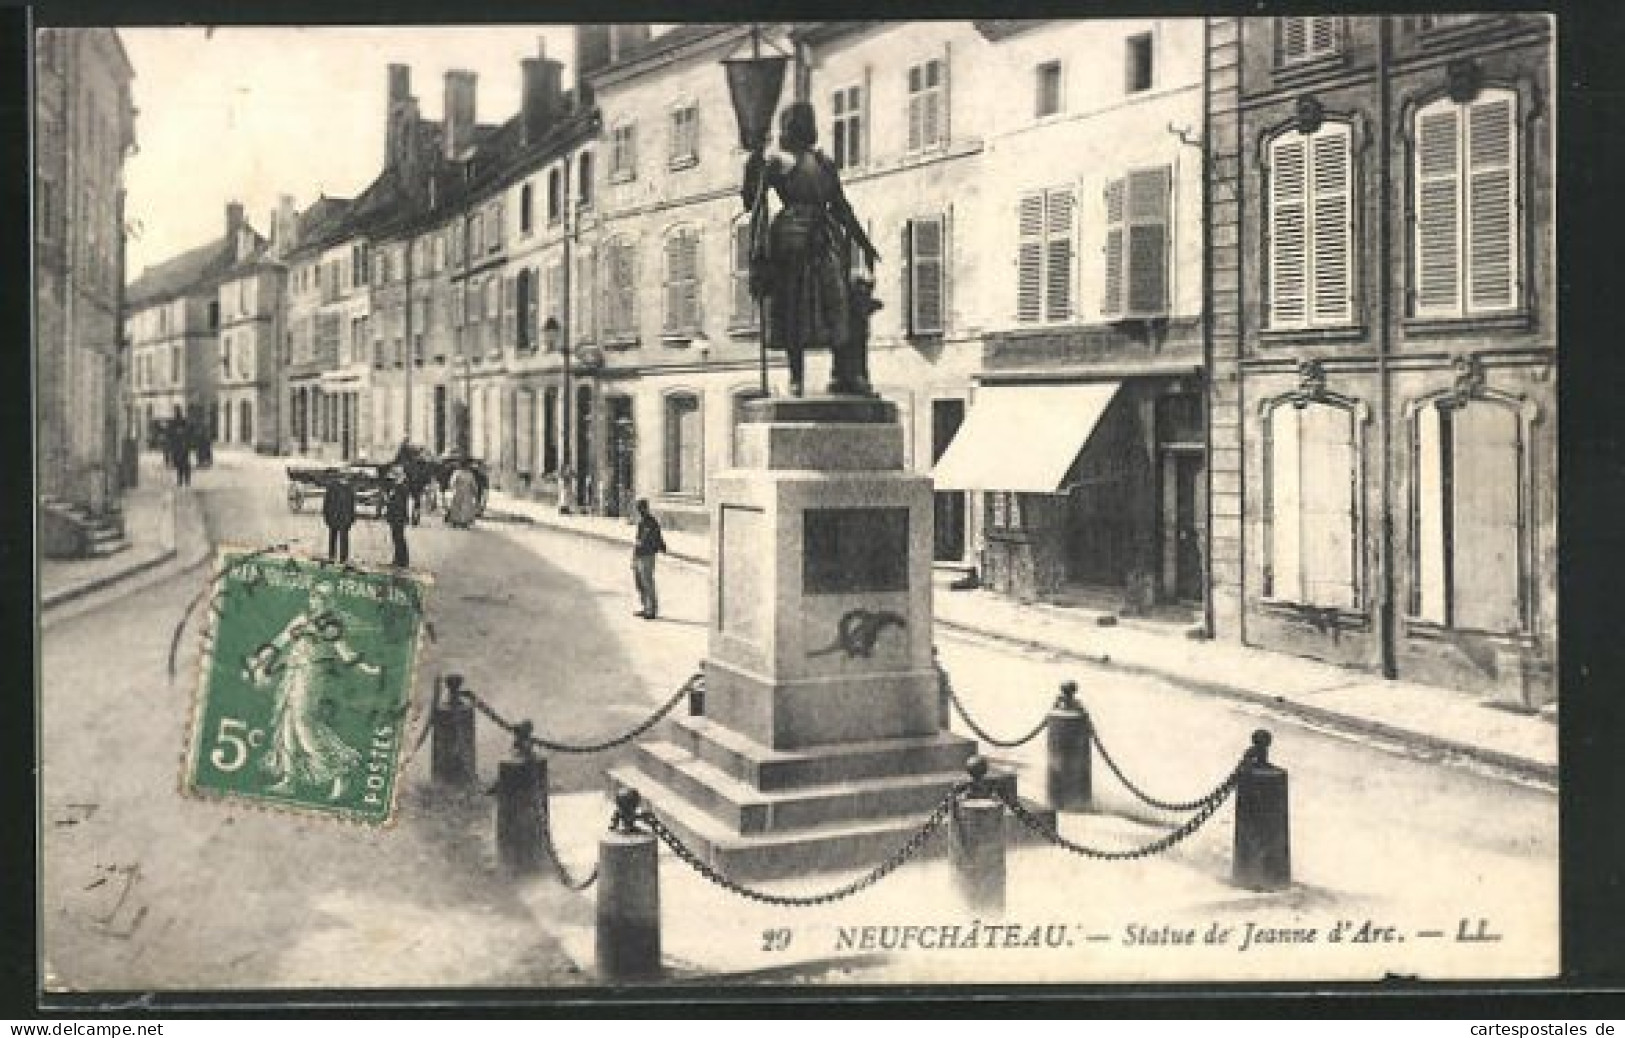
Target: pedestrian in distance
465, 497
205, 449
398, 512
338, 512
646, 546
180, 452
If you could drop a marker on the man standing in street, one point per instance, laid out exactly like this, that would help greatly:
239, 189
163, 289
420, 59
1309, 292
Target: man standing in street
648, 544
338, 511
180, 451
398, 511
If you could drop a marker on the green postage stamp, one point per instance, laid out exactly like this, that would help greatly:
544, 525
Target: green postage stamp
305, 686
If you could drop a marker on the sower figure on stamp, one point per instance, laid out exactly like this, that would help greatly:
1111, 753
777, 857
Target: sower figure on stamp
303, 749
803, 274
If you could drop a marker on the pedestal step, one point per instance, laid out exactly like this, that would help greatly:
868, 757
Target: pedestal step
767, 769
829, 847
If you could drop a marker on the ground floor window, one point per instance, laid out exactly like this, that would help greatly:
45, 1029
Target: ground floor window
1467, 516
1311, 505
684, 464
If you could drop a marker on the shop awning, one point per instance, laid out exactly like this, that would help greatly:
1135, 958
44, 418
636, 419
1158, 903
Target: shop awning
1022, 437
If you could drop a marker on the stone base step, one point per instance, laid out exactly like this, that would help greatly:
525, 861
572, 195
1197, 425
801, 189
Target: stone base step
829, 847
767, 769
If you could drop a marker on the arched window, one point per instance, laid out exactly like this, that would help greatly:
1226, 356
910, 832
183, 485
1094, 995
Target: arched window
1310, 227
1466, 204
1467, 522
1312, 504
584, 179
525, 208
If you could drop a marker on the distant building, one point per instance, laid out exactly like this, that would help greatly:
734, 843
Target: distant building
1384, 343
84, 128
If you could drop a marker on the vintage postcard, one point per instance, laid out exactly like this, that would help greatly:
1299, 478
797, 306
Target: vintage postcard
1061, 502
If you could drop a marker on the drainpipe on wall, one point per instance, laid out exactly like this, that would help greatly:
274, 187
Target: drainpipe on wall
1207, 321
1385, 290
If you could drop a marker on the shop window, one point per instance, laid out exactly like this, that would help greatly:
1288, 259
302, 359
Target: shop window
684, 463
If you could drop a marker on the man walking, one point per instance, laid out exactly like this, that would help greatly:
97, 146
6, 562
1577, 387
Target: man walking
398, 511
648, 544
338, 511
180, 451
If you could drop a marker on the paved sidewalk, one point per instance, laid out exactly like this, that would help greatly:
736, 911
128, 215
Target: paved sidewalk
152, 512
1437, 720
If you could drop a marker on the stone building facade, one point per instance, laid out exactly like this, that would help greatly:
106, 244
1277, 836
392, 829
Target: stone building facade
84, 127
1384, 344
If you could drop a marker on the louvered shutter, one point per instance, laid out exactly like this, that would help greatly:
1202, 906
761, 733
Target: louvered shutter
1428, 519
931, 118
1030, 258
1322, 35
691, 279
1289, 237
1326, 479
525, 429
1438, 212
1492, 267
583, 321
1112, 292
1285, 581
1058, 255
1332, 229
1147, 273
674, 291
1294, 38
916, 101
925, 276
744, 307
1486, 561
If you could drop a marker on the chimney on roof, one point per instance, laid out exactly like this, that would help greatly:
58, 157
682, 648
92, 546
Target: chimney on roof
400, 82
624, 39
284, 228
542, 100
400, 116
459, 114
234, 219
592, 54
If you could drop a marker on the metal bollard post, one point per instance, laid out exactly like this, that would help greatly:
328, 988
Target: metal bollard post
696, 701
1263, 848
976, 843
452, 756
628, 939
1068, 778
522, 806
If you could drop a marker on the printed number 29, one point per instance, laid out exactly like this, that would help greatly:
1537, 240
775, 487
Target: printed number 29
231, 748
776, 940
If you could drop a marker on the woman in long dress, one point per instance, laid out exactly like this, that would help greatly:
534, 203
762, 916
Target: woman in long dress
465, 498
303, 748
809, 243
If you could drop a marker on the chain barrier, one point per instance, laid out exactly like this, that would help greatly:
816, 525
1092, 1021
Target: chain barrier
694, 683
897, 859
1209, 805
570, 883
428, 725
946, 685
1165, 805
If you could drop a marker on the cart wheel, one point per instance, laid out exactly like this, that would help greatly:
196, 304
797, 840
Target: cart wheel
296, 497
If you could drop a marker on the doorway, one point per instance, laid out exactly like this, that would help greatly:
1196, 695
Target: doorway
622, 456
948, 506
583, 453
1184, 524
439, 420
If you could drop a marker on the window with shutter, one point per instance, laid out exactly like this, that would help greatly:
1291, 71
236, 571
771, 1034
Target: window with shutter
583, 318
620, 300
1044, 257
927, 120
925, 276
682, 281
744, 307
1311, 230
1305, 39
1311, 506
1467, 207
684, 474
846, 126
1112, 296
1147, 273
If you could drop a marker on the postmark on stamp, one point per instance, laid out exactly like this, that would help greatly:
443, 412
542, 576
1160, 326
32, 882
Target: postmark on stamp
305, 685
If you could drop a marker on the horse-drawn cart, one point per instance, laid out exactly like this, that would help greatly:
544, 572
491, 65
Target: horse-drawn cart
310, 483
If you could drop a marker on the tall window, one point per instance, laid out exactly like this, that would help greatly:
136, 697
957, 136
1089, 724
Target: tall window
927, 105
1047, 94
1138, 209
923, 252
684, 469
526, 207
1466, 516
525, 288
1311, 506
846, 126
584, 179
1466, 204
685, 131
1044, 256
1311, 228
682, 281
1138, 70
583, 322
744, 306
555, 196
623, 154
620, 291
1305, 39
553, 281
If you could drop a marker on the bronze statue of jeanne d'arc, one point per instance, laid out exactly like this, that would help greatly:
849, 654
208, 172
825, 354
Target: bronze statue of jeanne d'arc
802, 267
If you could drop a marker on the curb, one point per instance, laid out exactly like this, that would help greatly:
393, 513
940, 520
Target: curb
1532, 770
1522, 767
601, 536
89, 587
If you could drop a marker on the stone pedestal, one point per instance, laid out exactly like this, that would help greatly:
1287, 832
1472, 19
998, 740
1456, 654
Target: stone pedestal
822, 744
